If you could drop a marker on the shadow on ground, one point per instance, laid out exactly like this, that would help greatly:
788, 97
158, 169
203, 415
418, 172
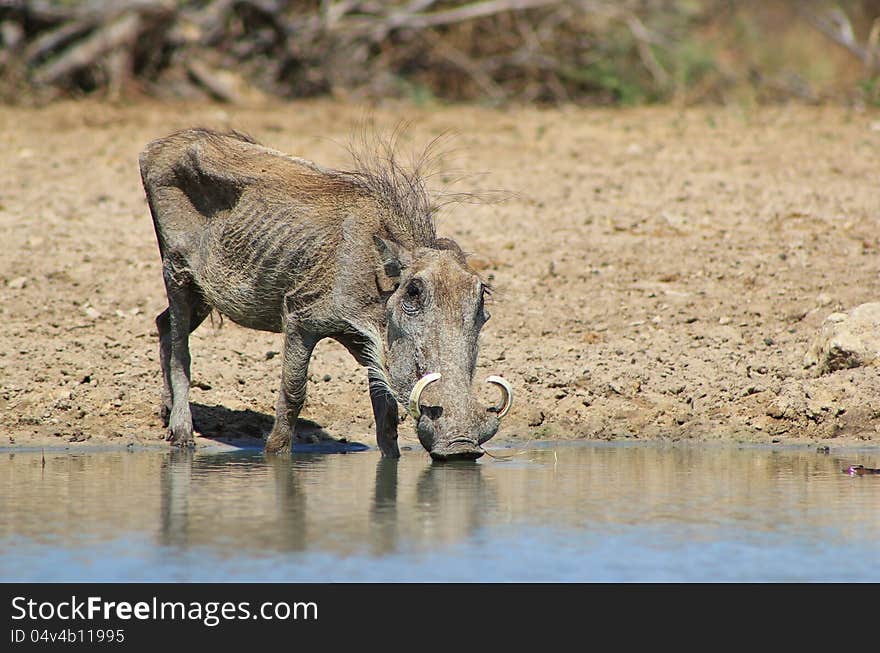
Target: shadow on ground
247, 428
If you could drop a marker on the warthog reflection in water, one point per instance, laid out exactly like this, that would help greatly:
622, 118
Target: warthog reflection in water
307, 505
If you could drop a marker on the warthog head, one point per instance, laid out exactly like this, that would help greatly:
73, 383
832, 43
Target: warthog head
434, 312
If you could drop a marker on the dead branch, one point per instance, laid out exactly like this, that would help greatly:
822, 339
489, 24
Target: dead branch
483, 80
122, 31
645, 38
836, 25
468, 12
56, 39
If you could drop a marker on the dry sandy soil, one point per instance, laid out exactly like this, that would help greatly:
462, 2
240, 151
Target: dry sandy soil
659, 273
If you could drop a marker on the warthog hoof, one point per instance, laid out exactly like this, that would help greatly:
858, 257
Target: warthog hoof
277, 443
180, 430
182, 440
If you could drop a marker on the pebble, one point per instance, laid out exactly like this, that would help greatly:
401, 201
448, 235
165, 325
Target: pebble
536, 417
18, 283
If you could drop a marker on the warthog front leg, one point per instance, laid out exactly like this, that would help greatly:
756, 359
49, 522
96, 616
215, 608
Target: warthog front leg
384, 405
292, 395
385, 414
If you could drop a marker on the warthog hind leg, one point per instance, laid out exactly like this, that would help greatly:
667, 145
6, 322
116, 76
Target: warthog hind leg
186, 310
163, 324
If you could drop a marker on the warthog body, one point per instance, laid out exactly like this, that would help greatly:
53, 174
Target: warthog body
280, 244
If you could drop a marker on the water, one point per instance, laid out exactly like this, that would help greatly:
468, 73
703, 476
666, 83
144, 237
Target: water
557, 512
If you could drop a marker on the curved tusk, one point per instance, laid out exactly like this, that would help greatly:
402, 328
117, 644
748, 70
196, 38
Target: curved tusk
413, 406
508, 395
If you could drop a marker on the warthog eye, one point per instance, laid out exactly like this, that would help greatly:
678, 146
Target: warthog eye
413, 297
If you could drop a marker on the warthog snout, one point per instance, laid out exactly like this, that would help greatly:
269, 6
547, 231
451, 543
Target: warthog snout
455, 429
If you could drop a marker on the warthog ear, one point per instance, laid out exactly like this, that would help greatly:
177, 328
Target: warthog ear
451, 246
394, 257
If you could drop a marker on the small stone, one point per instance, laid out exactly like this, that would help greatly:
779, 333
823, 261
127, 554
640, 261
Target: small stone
18, 283
846, 340
724, 320
535, 417
775, 410
92, 313
327, 378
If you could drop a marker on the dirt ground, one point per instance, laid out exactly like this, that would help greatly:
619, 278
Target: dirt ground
659, 273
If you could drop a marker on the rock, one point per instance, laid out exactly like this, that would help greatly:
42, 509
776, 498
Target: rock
535, 417
846, 340
682, 417
18, 283
92, 313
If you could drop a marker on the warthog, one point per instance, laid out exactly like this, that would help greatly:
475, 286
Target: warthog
278, 243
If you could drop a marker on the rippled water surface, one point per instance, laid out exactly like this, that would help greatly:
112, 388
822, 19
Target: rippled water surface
556, 512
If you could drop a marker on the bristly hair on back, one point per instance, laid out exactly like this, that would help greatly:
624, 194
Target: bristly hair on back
400, 188
403, 188
213, 134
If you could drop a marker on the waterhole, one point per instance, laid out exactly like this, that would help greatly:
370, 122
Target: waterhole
581, 511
